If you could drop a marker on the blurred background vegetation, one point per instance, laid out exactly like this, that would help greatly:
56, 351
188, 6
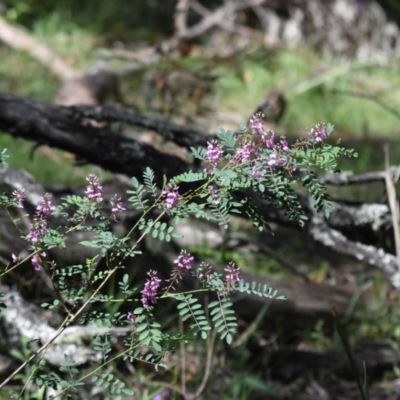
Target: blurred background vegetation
78, 31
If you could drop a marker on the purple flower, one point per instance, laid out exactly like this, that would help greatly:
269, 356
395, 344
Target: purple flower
150, 289
272, 159
172, 196
94, 190
257, 171
116, 207
281, 161
256, 124
45, 206
37, 229
319, 132
204, 272
33, 234
131, 317
246, 152
285, 146
163, 395
232, 274
269, 139
37, 261
15, 258
214, 194
184, 260
214, 152
19, 197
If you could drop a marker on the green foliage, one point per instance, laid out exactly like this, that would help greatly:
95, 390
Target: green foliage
148, 330
107, 381
137, 195
3, 157
223, 317
228, 139
189, 307
148, 179
243, 166
102, 344
259, 290
189, 177
158, 230
220, 212
199, 153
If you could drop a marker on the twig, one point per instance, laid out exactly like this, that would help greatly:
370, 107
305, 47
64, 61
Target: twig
336, 240
18, 39
224, 24
181, 10
207, 369
183, 358
393, 204
218, 16
349, 178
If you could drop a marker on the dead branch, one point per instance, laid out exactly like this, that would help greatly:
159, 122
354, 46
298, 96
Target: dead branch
55, 126
218, 16
181, 10
332, 238
181, 135
353, 229
347, 178
393, 204
19, 39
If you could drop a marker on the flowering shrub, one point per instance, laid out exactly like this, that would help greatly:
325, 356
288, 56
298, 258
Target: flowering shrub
237, 166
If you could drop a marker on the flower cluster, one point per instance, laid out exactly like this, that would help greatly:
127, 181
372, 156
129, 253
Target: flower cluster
150, 290
214, 152
183, 263
38, 227
18, 196
256, 123
204, 272
94, 190
131, 317
37, 260
116, 207
274, 160
278, 155
319, 132
232, 276
214, 194
269, 139
172, 196
184, 260
258, 171
246, 152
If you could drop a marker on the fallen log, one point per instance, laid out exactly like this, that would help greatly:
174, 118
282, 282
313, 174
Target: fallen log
62, 127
